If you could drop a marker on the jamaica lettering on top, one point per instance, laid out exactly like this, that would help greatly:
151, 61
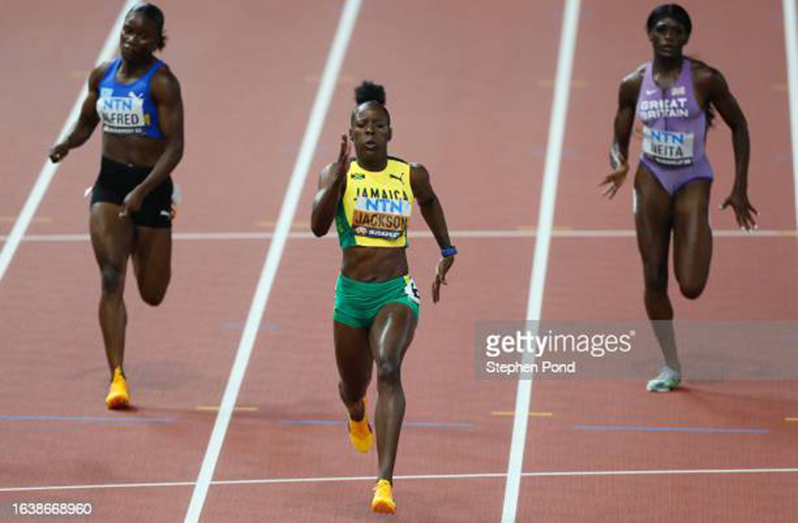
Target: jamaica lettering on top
382, 193
376, 206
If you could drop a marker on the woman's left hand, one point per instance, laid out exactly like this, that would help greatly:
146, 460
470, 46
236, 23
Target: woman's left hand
440, 277
132, 203
743, 209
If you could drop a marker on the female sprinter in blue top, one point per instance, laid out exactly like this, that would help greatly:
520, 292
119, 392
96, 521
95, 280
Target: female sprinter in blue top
137, 100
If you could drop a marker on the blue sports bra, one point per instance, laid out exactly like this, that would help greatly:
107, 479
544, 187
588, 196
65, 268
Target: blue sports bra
128, 108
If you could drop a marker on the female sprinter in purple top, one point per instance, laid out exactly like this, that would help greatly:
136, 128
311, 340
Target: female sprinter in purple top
674, 96
137, 100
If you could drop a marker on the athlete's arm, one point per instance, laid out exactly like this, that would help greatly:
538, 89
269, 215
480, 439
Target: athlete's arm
432, 212
719, 95
165, 92
622, 132
87, 120
332, 181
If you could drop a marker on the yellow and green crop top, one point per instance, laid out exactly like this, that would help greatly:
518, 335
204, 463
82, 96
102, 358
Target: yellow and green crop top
375, 208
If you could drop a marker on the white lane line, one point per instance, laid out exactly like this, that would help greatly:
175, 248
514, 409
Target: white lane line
630, 233
551, 172
343, 479
49, 169
318, 114
486, 233
791, 43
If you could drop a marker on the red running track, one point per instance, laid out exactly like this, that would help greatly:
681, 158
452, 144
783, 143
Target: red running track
470, 93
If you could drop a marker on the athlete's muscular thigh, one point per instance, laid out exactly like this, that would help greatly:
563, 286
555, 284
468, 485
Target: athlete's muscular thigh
152, 262
390, 337
692, 237
653, 220
111, 236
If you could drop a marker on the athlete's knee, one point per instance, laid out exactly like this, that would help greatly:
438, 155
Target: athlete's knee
153, 297
152, 290
692, 278
388, 372
692, 290
656, 277
348, 394
113, 279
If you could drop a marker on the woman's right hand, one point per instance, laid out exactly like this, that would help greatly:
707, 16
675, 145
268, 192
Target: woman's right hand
344, 159
615, 179
332, 183
59, 152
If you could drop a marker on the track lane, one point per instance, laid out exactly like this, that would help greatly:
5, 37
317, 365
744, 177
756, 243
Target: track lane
178, 355
611, 289
441, 121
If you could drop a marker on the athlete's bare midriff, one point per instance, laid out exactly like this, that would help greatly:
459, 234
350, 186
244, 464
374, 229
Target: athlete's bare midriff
140, 151
374, 264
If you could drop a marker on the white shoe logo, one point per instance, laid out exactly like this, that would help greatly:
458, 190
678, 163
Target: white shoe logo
166, 213
650, 92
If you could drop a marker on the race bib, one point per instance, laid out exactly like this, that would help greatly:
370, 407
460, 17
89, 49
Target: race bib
412, 291
380, 217
121, 115
668, 148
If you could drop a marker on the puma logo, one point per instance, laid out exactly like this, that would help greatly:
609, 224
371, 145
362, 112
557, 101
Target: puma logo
397, 177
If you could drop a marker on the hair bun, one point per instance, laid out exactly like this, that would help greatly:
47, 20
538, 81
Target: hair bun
674, 11
370, 92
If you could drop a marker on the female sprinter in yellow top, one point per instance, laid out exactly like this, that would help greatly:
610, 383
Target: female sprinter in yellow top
370, 198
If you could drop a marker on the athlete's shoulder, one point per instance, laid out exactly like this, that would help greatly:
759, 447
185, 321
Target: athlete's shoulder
331, 167
399, 160
165, 75
420, 184
418, 174
635, 78
704, 71
631, 83
103, 68
164, 83
706, 77
636, 75
99, 72
699, 65
327, 169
